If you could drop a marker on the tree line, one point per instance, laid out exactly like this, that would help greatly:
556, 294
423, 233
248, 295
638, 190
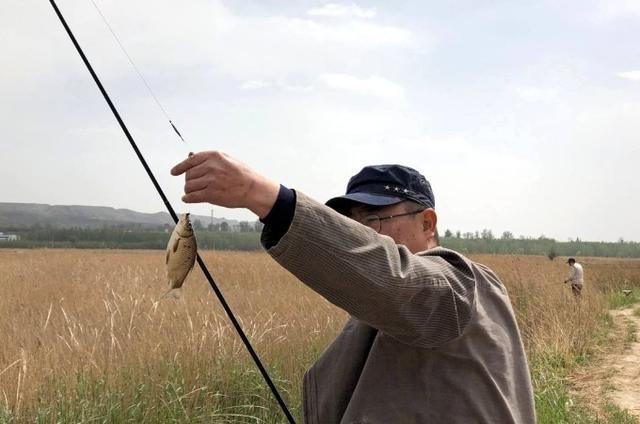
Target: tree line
220, 236
246, 236
485, 242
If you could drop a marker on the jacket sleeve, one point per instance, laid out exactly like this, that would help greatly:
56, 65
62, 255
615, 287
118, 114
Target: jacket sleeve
423, 299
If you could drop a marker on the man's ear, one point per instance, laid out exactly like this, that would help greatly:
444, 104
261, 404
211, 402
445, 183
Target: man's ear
429, 221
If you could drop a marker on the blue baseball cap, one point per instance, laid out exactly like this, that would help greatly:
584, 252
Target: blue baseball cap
383, 185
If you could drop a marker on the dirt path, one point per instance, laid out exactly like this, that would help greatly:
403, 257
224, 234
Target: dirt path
616, 378
626, 368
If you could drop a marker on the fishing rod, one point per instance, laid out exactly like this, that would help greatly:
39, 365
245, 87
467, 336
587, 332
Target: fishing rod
204, 268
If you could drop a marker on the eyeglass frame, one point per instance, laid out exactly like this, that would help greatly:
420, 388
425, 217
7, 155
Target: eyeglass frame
374, 217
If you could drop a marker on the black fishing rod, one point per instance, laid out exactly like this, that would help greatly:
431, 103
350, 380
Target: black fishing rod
206, 272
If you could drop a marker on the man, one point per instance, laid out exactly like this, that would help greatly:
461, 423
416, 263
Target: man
432, 336
576, 277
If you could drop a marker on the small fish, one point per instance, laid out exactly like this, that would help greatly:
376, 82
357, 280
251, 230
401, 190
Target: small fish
181, 253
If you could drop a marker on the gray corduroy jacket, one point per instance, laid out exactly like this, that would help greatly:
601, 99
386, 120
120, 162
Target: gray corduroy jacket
432, 338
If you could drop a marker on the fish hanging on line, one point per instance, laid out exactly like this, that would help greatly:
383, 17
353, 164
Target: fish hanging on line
181, 254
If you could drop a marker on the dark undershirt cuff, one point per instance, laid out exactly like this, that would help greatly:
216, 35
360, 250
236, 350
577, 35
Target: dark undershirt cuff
278, 220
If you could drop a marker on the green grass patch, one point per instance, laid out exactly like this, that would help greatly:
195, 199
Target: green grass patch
554, 403
169, 394
619, 300
616, 415
6, 417
550, 371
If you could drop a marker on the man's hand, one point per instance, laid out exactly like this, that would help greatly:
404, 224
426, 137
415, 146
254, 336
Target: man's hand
219, 179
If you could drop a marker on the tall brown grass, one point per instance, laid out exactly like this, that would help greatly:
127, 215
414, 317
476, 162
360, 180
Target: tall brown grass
75, 322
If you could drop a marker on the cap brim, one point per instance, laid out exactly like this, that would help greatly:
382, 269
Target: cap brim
340, 203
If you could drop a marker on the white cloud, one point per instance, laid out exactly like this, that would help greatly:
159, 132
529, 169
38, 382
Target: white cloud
254, 85
342, 11
535, 94
203, 36
258, 47
630, 75
609, 10
282, 85
354, 34
300, 88
371, 86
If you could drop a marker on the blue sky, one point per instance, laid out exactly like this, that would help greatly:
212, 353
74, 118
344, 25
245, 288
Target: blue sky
523, 115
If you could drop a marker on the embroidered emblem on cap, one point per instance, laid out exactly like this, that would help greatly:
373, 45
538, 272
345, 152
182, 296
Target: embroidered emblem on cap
398, 190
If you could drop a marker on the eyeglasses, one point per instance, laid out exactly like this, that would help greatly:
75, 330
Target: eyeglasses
375, 221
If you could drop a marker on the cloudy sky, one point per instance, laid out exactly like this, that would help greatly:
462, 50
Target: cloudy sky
524, 115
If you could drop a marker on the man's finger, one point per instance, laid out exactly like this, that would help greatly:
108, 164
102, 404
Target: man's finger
190, 162
195, 197
195, 185
196, 172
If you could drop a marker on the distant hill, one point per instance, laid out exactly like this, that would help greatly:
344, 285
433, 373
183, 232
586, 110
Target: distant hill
22, 215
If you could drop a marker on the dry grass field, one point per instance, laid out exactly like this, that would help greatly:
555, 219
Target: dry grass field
81, 339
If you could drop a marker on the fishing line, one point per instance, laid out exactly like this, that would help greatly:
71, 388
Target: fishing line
113, 33
201, 263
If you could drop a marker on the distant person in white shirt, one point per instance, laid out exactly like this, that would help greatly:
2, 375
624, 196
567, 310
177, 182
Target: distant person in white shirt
576, 276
